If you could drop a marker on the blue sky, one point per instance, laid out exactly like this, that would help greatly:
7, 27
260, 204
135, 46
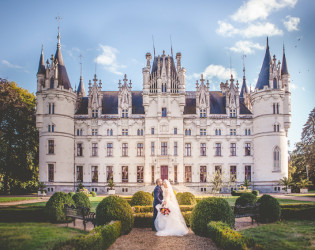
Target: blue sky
114, 36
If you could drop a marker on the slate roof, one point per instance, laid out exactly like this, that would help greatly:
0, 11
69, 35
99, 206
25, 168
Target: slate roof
244, 87
41, 66
284, 67
81, 87
155, 64
263, 78
62, 71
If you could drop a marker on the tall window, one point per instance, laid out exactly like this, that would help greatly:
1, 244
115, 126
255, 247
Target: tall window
232, 113
188, 173
152, 174
164, 112
152, 131
94, 131
233, 173
124, 173
275, 107
79, 149
175, 131
152, 148
187, 149
51, 146
218, 149
51, 108
51, 172
203, 149
79, 132
109, 173
51, 128
247, 131
94, 113
203, 173
247, 149
139, 149
175, 174
248, 173
109, 149
79, 173
276, 127
164, 148
233, 149
187, 131
276, 159
218, 132
125, 149
94, 174
140, 132
139, 174
94, 149
232, 131
109, 132
203, 132
124, 131
175, 148
124, 113
202, 113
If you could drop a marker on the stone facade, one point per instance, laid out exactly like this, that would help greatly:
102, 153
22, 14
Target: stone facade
162, 131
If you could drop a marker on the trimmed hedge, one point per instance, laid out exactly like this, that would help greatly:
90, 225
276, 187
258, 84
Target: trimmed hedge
81, 200
298, 212
55, 206
114, 208
93, 194
246, 199
235, 193
225, 237
255, 192
141, 198
23, 214
211, 209
269, 209
149, 209
187, 217
186, 198
101, 237
71, 194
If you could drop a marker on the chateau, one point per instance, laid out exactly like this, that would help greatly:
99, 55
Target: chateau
163, 131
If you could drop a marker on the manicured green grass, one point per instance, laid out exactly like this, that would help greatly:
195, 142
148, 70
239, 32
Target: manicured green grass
284, 235
287, 201
11, 199
33, 235
303, 195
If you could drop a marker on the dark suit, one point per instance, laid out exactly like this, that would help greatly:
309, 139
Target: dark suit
158, 198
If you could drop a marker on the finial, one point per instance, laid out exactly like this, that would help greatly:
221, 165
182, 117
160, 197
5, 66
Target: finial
202, 80
95, 79
267, 42
125, 79
153, 45
208, 83
80, 56
100, 84
58, 18
52, 57
197, 85
130, 83
243, 57
163, 53
171, 46
42, 48
283, 49
237, 83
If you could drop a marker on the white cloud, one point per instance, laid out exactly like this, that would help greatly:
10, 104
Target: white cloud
293, 86
10, 65
246, 47
108, 59
216, 71
253, 30
260, 9
291, 23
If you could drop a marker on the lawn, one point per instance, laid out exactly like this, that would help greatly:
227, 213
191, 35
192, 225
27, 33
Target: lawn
33, 235
284, 235
11, 199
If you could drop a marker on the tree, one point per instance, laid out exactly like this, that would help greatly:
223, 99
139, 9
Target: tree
286, 182
18, 136
303, 183
217, 182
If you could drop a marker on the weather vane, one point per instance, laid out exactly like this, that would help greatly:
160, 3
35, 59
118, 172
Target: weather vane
58, 18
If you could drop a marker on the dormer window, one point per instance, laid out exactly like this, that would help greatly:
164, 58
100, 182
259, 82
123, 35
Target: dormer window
94, 113
124, 113
203, 113
232, 113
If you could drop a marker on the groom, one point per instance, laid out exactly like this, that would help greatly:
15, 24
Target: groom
158, 198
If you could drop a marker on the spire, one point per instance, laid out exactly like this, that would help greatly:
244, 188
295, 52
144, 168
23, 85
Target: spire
263, 78
244, 89
81, 89
41, 66
284, 68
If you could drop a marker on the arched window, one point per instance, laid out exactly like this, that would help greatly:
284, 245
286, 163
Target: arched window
81, 132
248, 132
107, 132
141, 131
216, 132
276, 128
245, 131
186, 132
276, 159
138, 132
111, 132
275, 83
219, 131
189, 132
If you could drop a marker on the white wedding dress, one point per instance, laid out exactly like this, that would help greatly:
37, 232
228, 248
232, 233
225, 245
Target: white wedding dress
174, 223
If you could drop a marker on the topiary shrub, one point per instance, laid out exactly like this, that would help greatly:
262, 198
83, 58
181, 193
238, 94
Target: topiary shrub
255, 192
81, 200
55, 206
269, 209
71, 194
186, 198
141, 199
93, 194
210, 209
246, 199
178, 195
115, 208
233, 193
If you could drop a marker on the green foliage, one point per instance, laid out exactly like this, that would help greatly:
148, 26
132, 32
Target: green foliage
187, 217
111, 184
101, 237
23, 214
18, 140
234, 193
246, 183
149, 209
225, 237
114, 208
141, 198
81, 200
211, 209
246, 199
71, 194
298, 212
55, 206
286, 182
186, 198
303, 183
255, 192
178, 195
93, 194
80, 186
269, 209
143, 220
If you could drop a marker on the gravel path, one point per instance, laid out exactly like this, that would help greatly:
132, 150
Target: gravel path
14, 203
296, 198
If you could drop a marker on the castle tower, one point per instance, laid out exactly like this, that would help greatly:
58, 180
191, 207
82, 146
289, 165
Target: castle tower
270, 102
55, 122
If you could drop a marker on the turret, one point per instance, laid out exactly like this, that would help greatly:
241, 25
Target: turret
41, 71
285, 78
244, 94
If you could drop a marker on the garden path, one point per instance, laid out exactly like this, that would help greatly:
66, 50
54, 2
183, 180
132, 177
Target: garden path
15, 203
292, 197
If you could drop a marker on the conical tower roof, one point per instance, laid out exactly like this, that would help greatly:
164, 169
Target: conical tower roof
284, 67
263, 79
244, 88
41, 66
81, 89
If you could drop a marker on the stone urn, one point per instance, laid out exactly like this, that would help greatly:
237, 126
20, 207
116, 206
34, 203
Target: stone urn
303, 190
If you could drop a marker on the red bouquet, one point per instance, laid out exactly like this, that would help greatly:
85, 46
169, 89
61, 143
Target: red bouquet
165, 211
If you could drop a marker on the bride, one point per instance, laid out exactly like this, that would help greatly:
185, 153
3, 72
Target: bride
173, 223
